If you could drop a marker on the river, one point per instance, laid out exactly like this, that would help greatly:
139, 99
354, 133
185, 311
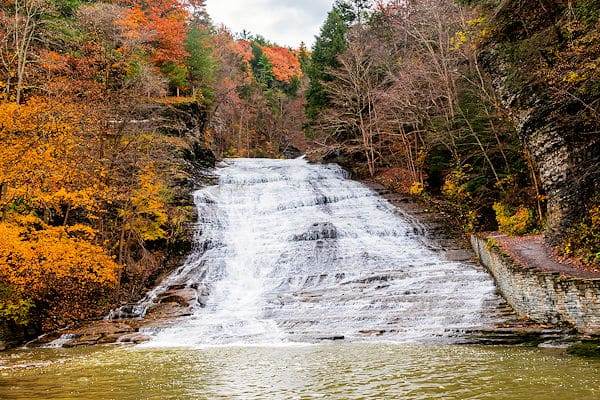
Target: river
290, 256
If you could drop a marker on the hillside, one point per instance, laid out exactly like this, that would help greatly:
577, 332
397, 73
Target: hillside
109, 111
488, 107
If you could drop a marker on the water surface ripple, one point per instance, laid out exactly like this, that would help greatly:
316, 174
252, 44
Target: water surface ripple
324, 371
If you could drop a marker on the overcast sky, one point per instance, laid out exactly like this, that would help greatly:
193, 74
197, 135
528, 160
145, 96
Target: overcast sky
286, 22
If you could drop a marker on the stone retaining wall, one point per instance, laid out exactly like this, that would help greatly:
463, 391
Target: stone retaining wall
546, 297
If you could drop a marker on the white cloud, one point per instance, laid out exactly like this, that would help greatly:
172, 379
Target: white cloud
286, 22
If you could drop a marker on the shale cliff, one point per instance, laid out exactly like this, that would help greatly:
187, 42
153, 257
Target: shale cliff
544, 57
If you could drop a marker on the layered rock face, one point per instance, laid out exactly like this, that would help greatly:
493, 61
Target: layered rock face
566, 157
544, 78
568, 163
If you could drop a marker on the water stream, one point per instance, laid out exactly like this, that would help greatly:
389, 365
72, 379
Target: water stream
288, 251
336, 371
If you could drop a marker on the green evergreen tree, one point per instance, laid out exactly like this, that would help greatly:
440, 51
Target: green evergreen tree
177, 75
330, 43
261, 66
304, 57
201, 63
354, 11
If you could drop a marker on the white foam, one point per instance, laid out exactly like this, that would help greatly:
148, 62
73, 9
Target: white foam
291, 252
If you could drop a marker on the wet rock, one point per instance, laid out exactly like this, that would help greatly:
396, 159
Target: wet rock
127, 311
105, 328
291, 152
177, 287
459, 255
108, 339
528, 334
174, 298
318, 231
167, 311
135, 338
373, 332
334, 338
84, 340
184, 296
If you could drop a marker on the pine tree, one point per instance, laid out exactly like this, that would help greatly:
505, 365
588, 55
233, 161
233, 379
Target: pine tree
304, 57
201, 63
330, 43
261, 66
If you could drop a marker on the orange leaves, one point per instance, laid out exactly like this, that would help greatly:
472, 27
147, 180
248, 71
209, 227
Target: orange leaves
135, 26
41, 160
286, 65
53, 62
31, 259
160, 25
244, 49
171, 32
43, 171
38, 117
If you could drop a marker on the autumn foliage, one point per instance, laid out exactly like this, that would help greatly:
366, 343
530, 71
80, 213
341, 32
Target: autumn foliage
160, 26
103, 109
88, 203
44, 189
286, 65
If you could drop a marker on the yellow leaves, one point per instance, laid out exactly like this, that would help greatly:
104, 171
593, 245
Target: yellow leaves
63, 256
574, 77
45, 171
81, 231
583, 238
31, 260
474, 32
454, 186
147, 214
459, 40
514, 222
15, 310
82, 199
481, 20
27, 221
42, 160
39, 117
416, 189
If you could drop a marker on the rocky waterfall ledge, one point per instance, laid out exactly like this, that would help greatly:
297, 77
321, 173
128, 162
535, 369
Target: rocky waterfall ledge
538, 287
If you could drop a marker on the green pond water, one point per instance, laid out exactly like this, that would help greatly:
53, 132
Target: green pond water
327, 371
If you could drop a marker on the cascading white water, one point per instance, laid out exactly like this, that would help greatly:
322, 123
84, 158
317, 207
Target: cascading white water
291, 252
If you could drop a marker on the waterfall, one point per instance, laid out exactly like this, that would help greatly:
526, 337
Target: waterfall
287, 251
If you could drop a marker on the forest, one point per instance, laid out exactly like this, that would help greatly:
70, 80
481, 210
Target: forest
110, 110
105, 109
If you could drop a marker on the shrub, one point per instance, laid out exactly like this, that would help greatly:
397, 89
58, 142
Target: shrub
455, 186
583, 240
416, 189
16, 312
513, 222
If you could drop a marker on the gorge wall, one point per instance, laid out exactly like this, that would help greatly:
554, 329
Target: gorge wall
544, 66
